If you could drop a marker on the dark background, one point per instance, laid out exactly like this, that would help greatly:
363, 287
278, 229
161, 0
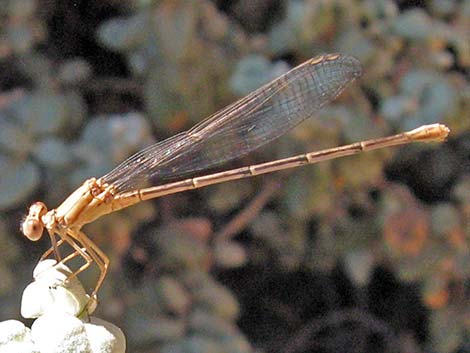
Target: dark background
365, 254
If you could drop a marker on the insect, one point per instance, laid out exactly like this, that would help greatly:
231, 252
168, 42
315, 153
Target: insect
234, 131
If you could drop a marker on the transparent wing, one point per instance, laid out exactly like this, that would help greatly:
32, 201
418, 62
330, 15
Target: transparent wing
243, 126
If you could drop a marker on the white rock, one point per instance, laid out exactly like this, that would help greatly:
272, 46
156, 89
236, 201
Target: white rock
53, 292
105, 337
13, 331
19, 347
55, 300
60, 333
63, 333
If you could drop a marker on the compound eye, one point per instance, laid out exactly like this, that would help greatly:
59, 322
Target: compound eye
32, 229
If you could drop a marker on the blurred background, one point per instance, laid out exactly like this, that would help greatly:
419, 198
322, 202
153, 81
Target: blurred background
370, 253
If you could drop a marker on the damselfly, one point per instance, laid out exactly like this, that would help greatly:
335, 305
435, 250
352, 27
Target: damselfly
240, 128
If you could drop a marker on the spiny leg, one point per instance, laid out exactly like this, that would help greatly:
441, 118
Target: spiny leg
53, 249
79, 251
96, 254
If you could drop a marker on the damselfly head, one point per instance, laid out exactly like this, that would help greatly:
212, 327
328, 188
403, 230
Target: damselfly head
33, 226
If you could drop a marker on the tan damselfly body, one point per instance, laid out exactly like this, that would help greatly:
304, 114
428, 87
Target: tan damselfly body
234, 131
